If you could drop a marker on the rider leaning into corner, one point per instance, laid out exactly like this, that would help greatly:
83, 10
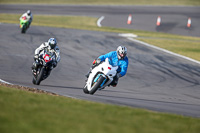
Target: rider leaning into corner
28, 15
52, 47
115, 56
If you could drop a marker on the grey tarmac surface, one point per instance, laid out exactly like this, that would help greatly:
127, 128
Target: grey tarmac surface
173, 19
155, 80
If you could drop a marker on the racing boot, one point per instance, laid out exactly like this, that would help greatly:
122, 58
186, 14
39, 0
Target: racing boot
34, 68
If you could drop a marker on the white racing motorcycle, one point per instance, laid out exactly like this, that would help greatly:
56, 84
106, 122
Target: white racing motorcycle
100, 77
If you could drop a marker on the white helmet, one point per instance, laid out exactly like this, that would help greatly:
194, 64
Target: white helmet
28, 12
52, 43
121, 52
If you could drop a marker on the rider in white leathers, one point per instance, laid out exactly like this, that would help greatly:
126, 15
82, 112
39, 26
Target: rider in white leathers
52, 47
29, 16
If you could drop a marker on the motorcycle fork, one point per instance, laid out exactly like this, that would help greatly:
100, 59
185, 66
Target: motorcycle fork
103, 82
97, 77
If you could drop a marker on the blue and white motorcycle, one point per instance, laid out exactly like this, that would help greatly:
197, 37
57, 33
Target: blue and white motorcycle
100, 76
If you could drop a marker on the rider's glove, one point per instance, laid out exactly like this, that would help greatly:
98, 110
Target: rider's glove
96, 61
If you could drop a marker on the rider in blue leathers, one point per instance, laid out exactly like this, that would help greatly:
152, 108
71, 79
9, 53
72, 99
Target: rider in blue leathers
117, 57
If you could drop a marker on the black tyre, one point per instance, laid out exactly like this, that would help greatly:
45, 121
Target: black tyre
34, 80
96, 85
40, 76
23, 29
85, 90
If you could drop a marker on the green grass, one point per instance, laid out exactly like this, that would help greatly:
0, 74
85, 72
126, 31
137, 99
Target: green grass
22, 111
107, 2
77, 22
184, 45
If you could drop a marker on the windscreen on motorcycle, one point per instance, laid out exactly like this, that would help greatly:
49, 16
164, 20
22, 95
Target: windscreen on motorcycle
47, 52
113, 63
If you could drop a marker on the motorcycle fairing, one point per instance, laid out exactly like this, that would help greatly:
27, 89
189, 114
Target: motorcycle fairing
104, 70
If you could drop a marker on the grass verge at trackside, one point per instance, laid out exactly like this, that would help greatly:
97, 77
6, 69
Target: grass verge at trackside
107, 2
27, 112
184, 45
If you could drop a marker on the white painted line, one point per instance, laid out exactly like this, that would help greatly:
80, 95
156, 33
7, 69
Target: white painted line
127, 35
5, 82
164, 50
99, 21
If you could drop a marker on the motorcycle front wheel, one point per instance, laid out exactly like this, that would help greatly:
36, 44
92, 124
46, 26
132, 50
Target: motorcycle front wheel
85, 90
23, 30
34, 80
40, 76
96, 85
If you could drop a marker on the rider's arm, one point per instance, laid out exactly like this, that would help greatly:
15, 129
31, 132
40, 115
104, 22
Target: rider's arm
108, 55
124, 67
38, 50
22, 16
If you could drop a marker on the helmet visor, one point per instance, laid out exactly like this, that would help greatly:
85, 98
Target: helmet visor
122, 55
52, 46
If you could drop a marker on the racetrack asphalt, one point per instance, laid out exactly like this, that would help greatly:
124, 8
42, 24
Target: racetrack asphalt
155, 80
